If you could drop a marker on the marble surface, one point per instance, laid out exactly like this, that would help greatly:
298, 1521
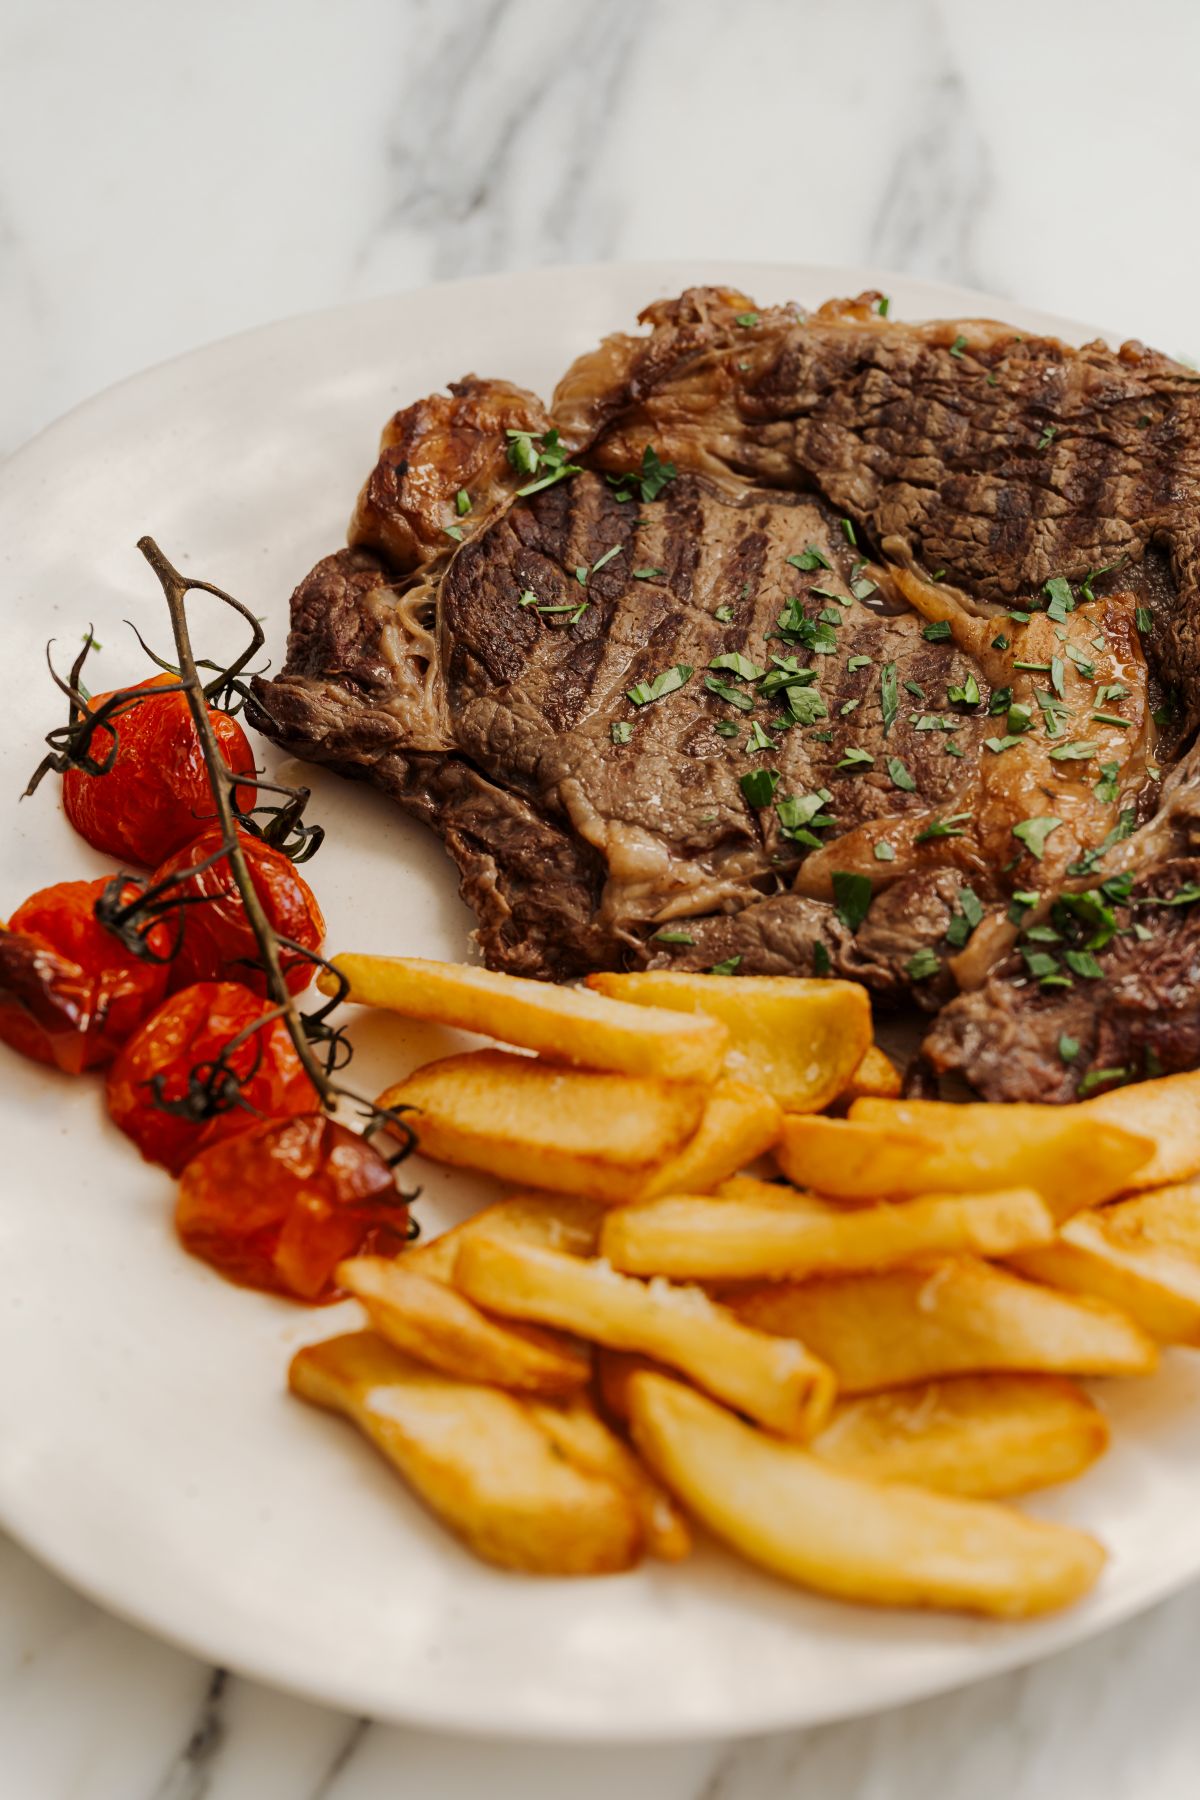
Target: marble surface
169, 175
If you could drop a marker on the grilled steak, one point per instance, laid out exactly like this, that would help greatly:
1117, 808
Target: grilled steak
838, 646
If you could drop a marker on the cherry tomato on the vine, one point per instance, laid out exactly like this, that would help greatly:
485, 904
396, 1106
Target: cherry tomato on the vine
156, 796
280, 1205
215, 940
182, 1043
71, 992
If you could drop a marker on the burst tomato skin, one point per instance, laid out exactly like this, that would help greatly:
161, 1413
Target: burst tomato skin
214, 936
190, 1029
280, 1205
71, 993
156, 795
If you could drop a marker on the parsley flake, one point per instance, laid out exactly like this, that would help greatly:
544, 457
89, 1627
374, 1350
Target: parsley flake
852, 896
728, 967
621, 730
922, 964
959, 345
937, 631
1032, 833
900, 776
642, 693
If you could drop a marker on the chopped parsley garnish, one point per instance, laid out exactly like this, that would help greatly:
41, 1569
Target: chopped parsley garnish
1019, 905
728, 967
648, 481
848, 529
1083, 964
673, 937
1034, 832
966, 695
855, 758
848, 706
607, 557
453, 531
1018, 718
1068, 1048
650, 572
922, 964
1048, 436
821, 961
1076, 751
1058, 672
950, 826
462, 502
889, 697
542, 457
759, 785
725, 728
963, 922
950, 748
829, 615
797, 813
1086, 669
915, 689
1103, 718
884, 851
724, 614
937, 574
852, 896
937, 631
858, 662
1105, 789
1041, 964
998, 745
1000, 643
644, 692
861, 585
810, 558
1144, 618
959, 345
622, 731
1100, 1078
733, 695
885, 302
738, 665
747, 319
900, 776
1085, 586
1001, 700
1037, 668
1062, 600
758, 739
806, 705
935, 722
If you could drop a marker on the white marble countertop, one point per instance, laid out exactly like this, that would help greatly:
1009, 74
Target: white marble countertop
169, 175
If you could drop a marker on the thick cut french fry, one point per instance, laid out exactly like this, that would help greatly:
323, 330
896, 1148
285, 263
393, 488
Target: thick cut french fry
1142, 1254
581, 1435
1167, 1111
564, 1222
886, 1543
790, 1392
904, 1147
526, 1121
739, 1123
985, 1436
876, 1077
439, 1326
697, 1239
567, 1025
799, 1039
950, 1316
477, 1457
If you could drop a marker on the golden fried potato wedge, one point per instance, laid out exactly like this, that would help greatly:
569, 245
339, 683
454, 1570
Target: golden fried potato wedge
883, 1542
1167, 1111
526, 1121
439, 1326
477, 1457
580, 1434
876, 1077
739, 1123
566, 1025
1142, 1254
777, 1193
949, 1316
566, 1222
691, 1238
984, 1436
905, 1147
790, 1391
800, 1040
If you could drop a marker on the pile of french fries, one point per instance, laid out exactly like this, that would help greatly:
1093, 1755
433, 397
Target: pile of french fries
839, 1370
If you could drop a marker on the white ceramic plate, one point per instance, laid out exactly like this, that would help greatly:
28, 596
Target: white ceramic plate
148, 1451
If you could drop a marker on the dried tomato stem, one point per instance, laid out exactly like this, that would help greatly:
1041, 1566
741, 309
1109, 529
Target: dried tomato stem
223, 782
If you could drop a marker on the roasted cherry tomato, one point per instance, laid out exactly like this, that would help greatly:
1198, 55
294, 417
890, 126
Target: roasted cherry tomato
214, 936
214, 1097
156, 795
280, 1205
70, 990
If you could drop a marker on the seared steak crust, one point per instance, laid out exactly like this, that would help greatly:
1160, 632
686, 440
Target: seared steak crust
911, 758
